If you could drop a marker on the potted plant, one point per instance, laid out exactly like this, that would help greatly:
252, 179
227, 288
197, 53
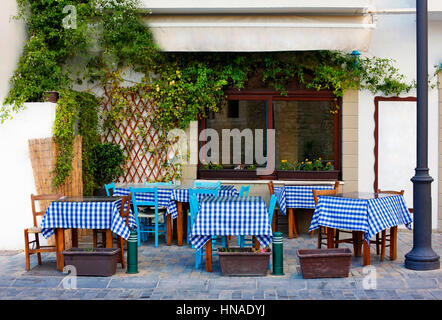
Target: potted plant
107, 165
235, 261
92, 261
316, 169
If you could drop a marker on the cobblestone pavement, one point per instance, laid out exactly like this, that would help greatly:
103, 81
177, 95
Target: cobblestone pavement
168, 272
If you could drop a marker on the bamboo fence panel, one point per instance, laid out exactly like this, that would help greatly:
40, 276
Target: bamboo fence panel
43, 154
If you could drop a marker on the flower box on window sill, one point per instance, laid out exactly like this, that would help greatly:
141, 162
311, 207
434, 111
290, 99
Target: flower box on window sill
230, 174
308, 175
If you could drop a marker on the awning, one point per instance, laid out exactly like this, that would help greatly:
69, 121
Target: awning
248, 33
260, 25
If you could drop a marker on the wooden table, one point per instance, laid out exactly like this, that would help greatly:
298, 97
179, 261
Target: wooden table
367, 214
59, 220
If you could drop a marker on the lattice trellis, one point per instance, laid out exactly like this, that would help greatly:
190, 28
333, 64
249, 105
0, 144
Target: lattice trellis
146, 156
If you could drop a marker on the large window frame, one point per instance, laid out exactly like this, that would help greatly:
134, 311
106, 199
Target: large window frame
270, 96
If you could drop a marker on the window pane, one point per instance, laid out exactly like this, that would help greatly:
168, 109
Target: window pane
304, 130
240, 114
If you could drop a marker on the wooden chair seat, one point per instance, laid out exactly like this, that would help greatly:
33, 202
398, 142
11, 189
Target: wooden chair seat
36, 248
34, 230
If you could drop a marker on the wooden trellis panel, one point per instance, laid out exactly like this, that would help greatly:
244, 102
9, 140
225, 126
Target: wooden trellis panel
145, 157
43, 154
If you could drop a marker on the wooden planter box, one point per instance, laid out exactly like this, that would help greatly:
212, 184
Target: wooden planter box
308, 175
100, 262
244, 262
324, 263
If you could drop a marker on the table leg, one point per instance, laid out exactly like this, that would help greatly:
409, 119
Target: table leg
74, 238
366, 254
209, 256
256, 243
357, 243
290, 221
109, 238
393, 243
180, 223
59, 243
330, 238
169, 229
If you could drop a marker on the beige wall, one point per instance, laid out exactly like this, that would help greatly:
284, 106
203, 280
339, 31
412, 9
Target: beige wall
350, 141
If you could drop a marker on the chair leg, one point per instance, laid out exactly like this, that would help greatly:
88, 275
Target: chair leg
319, 237
156, 233
198, 258
37, 246
377, 244
384, 237
393, 243
121, 245
336, 238
94, 238
312, 233
28, 263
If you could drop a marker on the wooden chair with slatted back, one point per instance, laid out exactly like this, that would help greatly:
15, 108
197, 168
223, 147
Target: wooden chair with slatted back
271, 187
124, 213
36, 230
336, 187
322, 231
382, 238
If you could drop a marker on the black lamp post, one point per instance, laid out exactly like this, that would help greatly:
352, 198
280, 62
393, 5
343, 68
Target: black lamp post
422, 256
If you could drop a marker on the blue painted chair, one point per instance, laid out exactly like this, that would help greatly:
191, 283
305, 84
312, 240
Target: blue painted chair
204, 184
196, 192
194, 208
148, 228
271, 209
108, 187
244, 191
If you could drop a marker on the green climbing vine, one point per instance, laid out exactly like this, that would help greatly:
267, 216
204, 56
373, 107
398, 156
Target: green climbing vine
112, 47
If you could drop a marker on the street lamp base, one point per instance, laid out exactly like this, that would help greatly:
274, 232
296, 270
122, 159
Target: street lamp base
422, 260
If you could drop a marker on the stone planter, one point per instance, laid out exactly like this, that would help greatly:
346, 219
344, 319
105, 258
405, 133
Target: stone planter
324, 263
308, 175
243, 262
100, 262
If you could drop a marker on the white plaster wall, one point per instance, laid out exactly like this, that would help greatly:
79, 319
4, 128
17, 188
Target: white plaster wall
395, 37
16, 176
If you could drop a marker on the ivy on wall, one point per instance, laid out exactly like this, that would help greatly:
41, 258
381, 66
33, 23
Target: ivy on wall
111, 40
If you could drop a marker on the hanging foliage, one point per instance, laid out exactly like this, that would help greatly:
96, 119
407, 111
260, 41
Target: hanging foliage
110, 46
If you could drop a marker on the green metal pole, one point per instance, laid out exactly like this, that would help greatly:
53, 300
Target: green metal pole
132, 252
278, 269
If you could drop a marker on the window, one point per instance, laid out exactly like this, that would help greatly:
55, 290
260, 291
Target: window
305, 128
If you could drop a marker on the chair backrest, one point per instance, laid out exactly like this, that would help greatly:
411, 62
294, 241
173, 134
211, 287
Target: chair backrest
244, 191
271, 187
144, 203
42, 197
317, 193
108, 187
194, 207
337, 185
272, 205
152, 184
125, 207
204, 184
210, 192
390, 192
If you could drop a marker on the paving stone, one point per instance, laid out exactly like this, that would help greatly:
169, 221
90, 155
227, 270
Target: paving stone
42, 282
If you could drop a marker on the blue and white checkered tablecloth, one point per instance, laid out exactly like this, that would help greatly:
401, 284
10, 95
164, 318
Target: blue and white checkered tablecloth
224, 216
181, 194
86, 215
368, 215
300, 196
